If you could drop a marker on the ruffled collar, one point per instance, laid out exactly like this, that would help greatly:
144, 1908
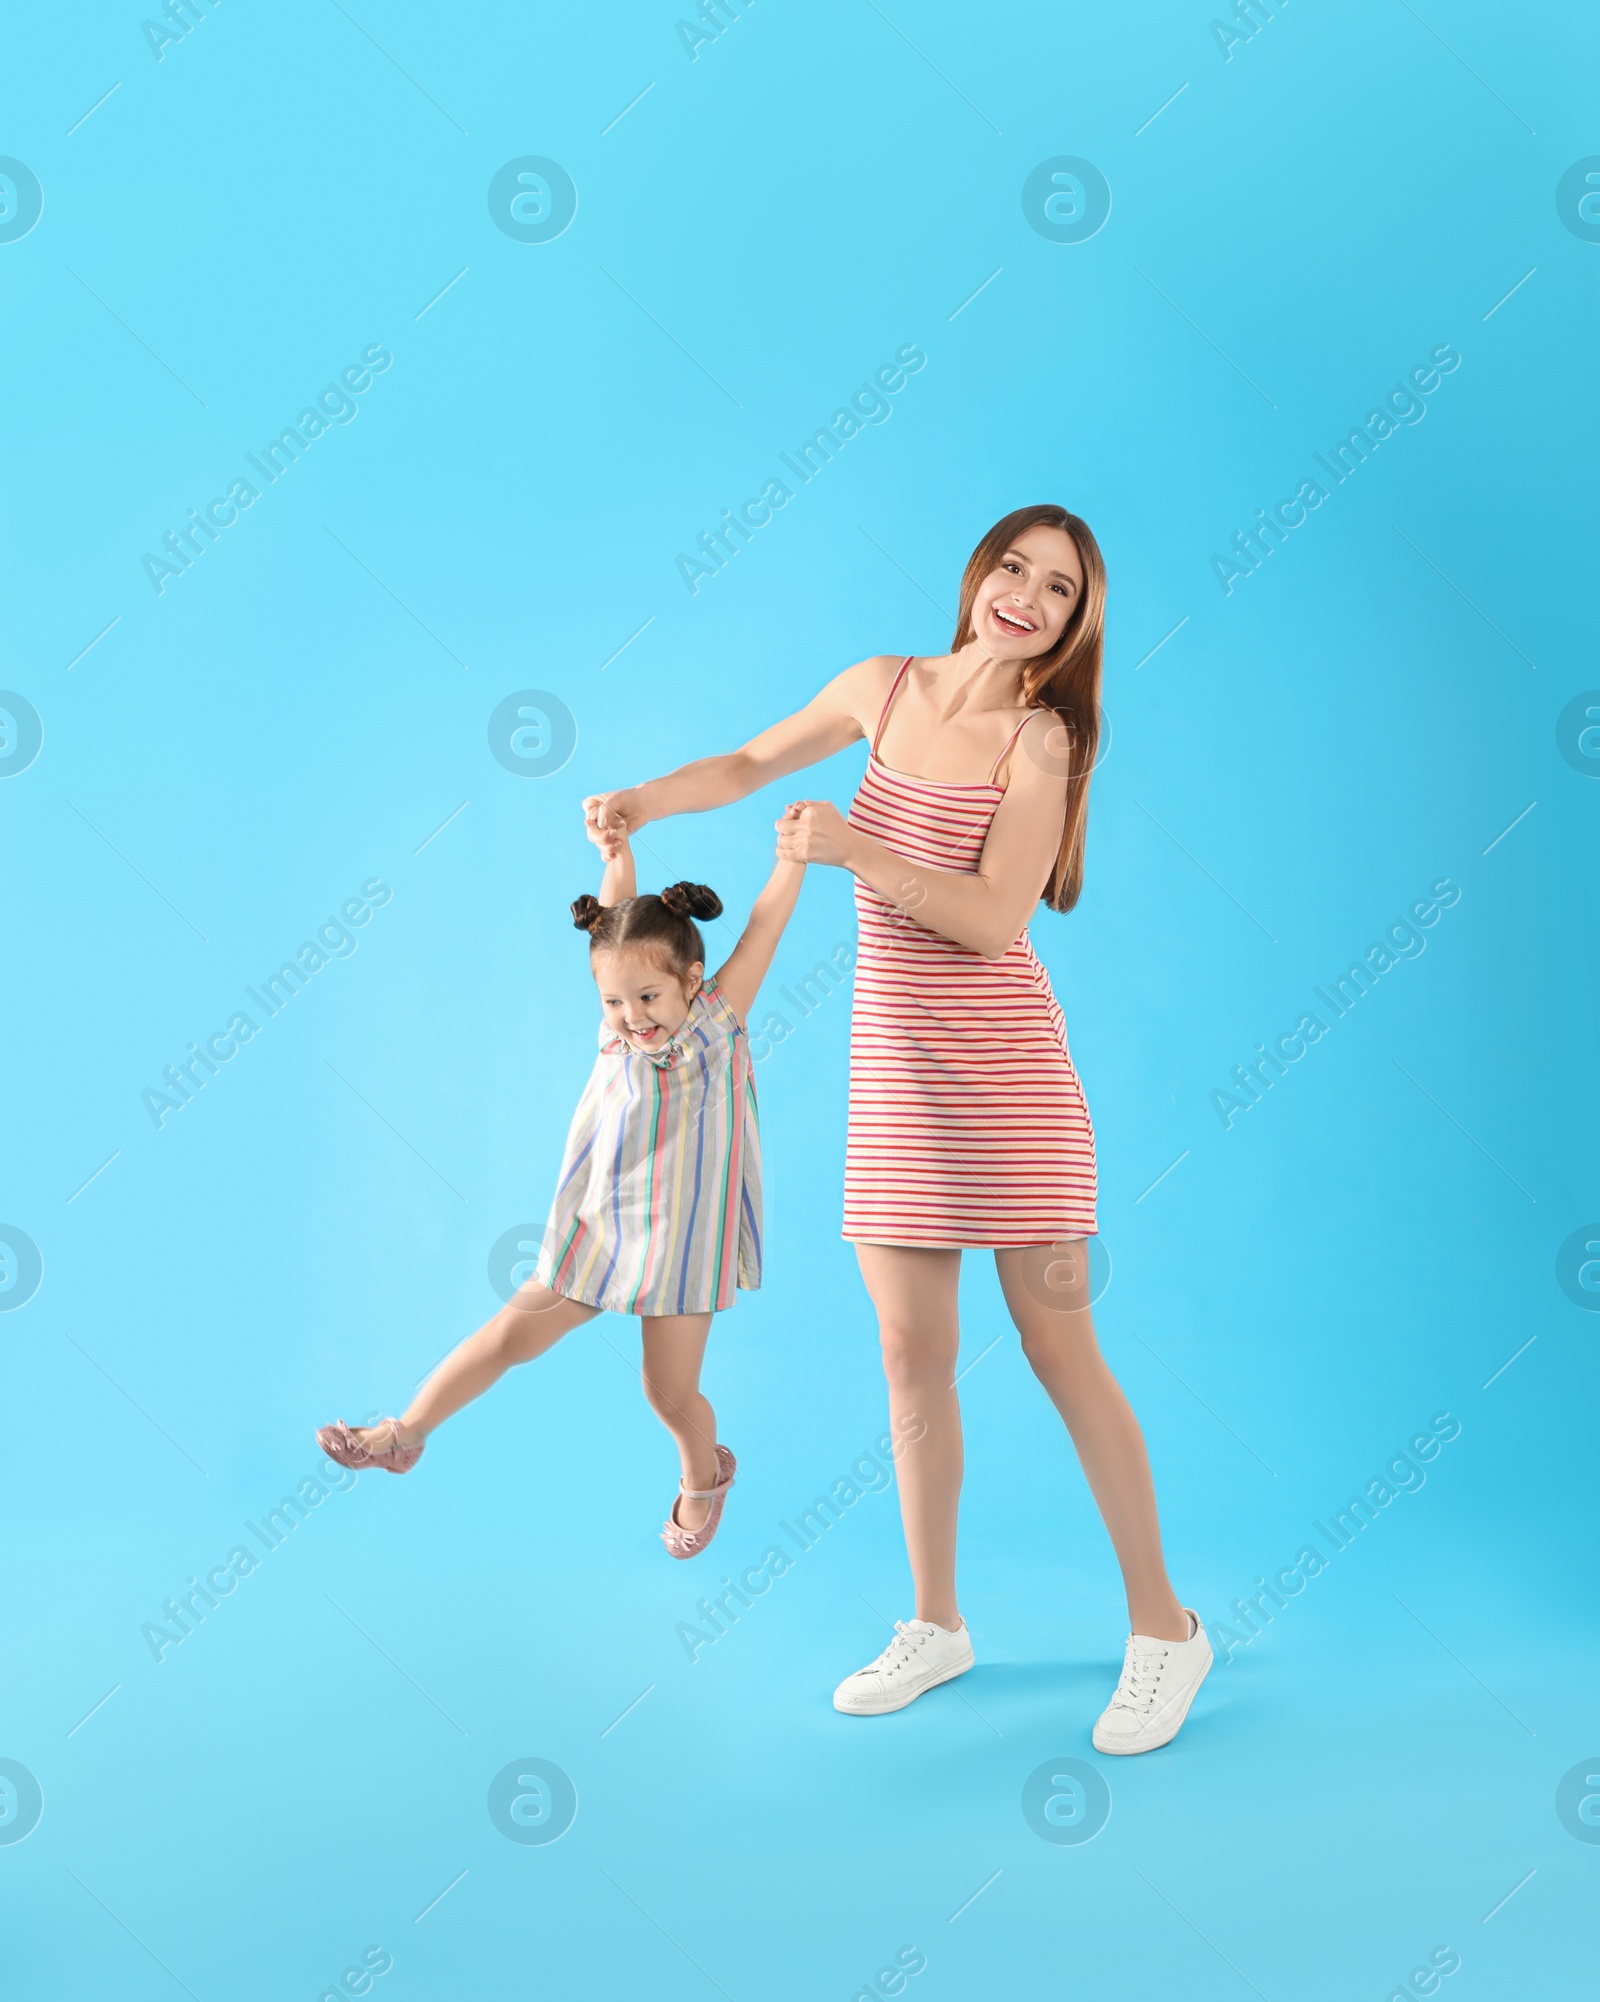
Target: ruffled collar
619, 1046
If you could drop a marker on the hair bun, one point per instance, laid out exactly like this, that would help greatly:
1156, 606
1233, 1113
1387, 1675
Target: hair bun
587, 912
692, 900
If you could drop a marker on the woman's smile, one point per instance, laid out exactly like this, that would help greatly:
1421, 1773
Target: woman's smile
1009, 620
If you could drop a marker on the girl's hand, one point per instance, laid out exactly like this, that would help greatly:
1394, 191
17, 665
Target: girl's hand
610, 817
613, 846
814, 830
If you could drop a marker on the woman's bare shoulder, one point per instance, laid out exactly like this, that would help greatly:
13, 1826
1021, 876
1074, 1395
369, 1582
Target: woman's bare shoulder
1040, 754
878, 668
864, 688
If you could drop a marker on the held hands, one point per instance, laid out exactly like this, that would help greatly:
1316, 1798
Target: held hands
814, 830
811, 830
610, 817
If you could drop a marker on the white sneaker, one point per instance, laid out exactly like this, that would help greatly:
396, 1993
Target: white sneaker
919, 1657
1158, 1683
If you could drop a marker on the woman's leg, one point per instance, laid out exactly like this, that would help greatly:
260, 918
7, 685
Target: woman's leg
1059, 1342
533, 1320
914, 1292
674, 1347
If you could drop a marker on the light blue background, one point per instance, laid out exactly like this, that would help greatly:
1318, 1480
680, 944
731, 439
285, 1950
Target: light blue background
231, 759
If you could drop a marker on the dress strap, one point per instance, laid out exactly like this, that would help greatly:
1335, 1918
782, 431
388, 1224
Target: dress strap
894, 690
1010, 742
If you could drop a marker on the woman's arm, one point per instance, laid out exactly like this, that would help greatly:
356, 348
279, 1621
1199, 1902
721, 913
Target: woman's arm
826, 724
740, 979
985, 910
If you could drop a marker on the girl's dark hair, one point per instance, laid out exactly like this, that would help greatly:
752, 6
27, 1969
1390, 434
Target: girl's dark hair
665, 924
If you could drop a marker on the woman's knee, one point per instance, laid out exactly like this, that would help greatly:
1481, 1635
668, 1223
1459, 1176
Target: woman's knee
1059, 1349
913, 1359
1074, 1374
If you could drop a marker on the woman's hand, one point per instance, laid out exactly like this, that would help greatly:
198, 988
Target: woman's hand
609, 818
814, 830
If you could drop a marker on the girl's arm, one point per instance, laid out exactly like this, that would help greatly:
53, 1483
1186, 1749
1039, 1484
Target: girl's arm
826, 724
740, 979
617, 882
984, 910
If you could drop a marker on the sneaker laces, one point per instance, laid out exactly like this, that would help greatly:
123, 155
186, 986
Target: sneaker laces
901, 1651
1142, 1667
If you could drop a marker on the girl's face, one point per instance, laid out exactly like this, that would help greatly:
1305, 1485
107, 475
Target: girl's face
643, 1001
1023, 605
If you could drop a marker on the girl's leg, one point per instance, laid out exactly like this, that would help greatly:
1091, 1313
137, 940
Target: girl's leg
1059, 1342
914, 1292
533, 1320
674, 1346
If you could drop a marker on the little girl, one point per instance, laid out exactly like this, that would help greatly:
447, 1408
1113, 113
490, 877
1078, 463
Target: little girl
658, 1209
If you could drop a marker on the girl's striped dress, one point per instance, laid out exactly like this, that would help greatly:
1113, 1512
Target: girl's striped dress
968, 1125
658, 1210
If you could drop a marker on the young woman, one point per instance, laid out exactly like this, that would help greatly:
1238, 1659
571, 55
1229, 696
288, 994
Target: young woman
968, 1127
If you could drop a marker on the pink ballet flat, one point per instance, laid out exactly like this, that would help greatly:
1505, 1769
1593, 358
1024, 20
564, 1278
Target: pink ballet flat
683, 1542
341, 1444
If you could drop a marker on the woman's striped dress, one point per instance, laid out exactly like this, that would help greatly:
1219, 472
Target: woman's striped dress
658, 1209
968, 1126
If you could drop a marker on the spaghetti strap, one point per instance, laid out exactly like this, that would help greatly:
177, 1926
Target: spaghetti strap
894, 689
1009, 743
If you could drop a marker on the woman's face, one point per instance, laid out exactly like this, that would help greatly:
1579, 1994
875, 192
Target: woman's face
1024, 603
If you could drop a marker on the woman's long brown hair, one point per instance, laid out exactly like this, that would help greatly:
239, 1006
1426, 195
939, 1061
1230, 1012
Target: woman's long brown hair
1066, 679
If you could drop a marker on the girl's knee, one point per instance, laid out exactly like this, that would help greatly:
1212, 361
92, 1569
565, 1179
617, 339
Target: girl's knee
669, 1396
518, 1331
